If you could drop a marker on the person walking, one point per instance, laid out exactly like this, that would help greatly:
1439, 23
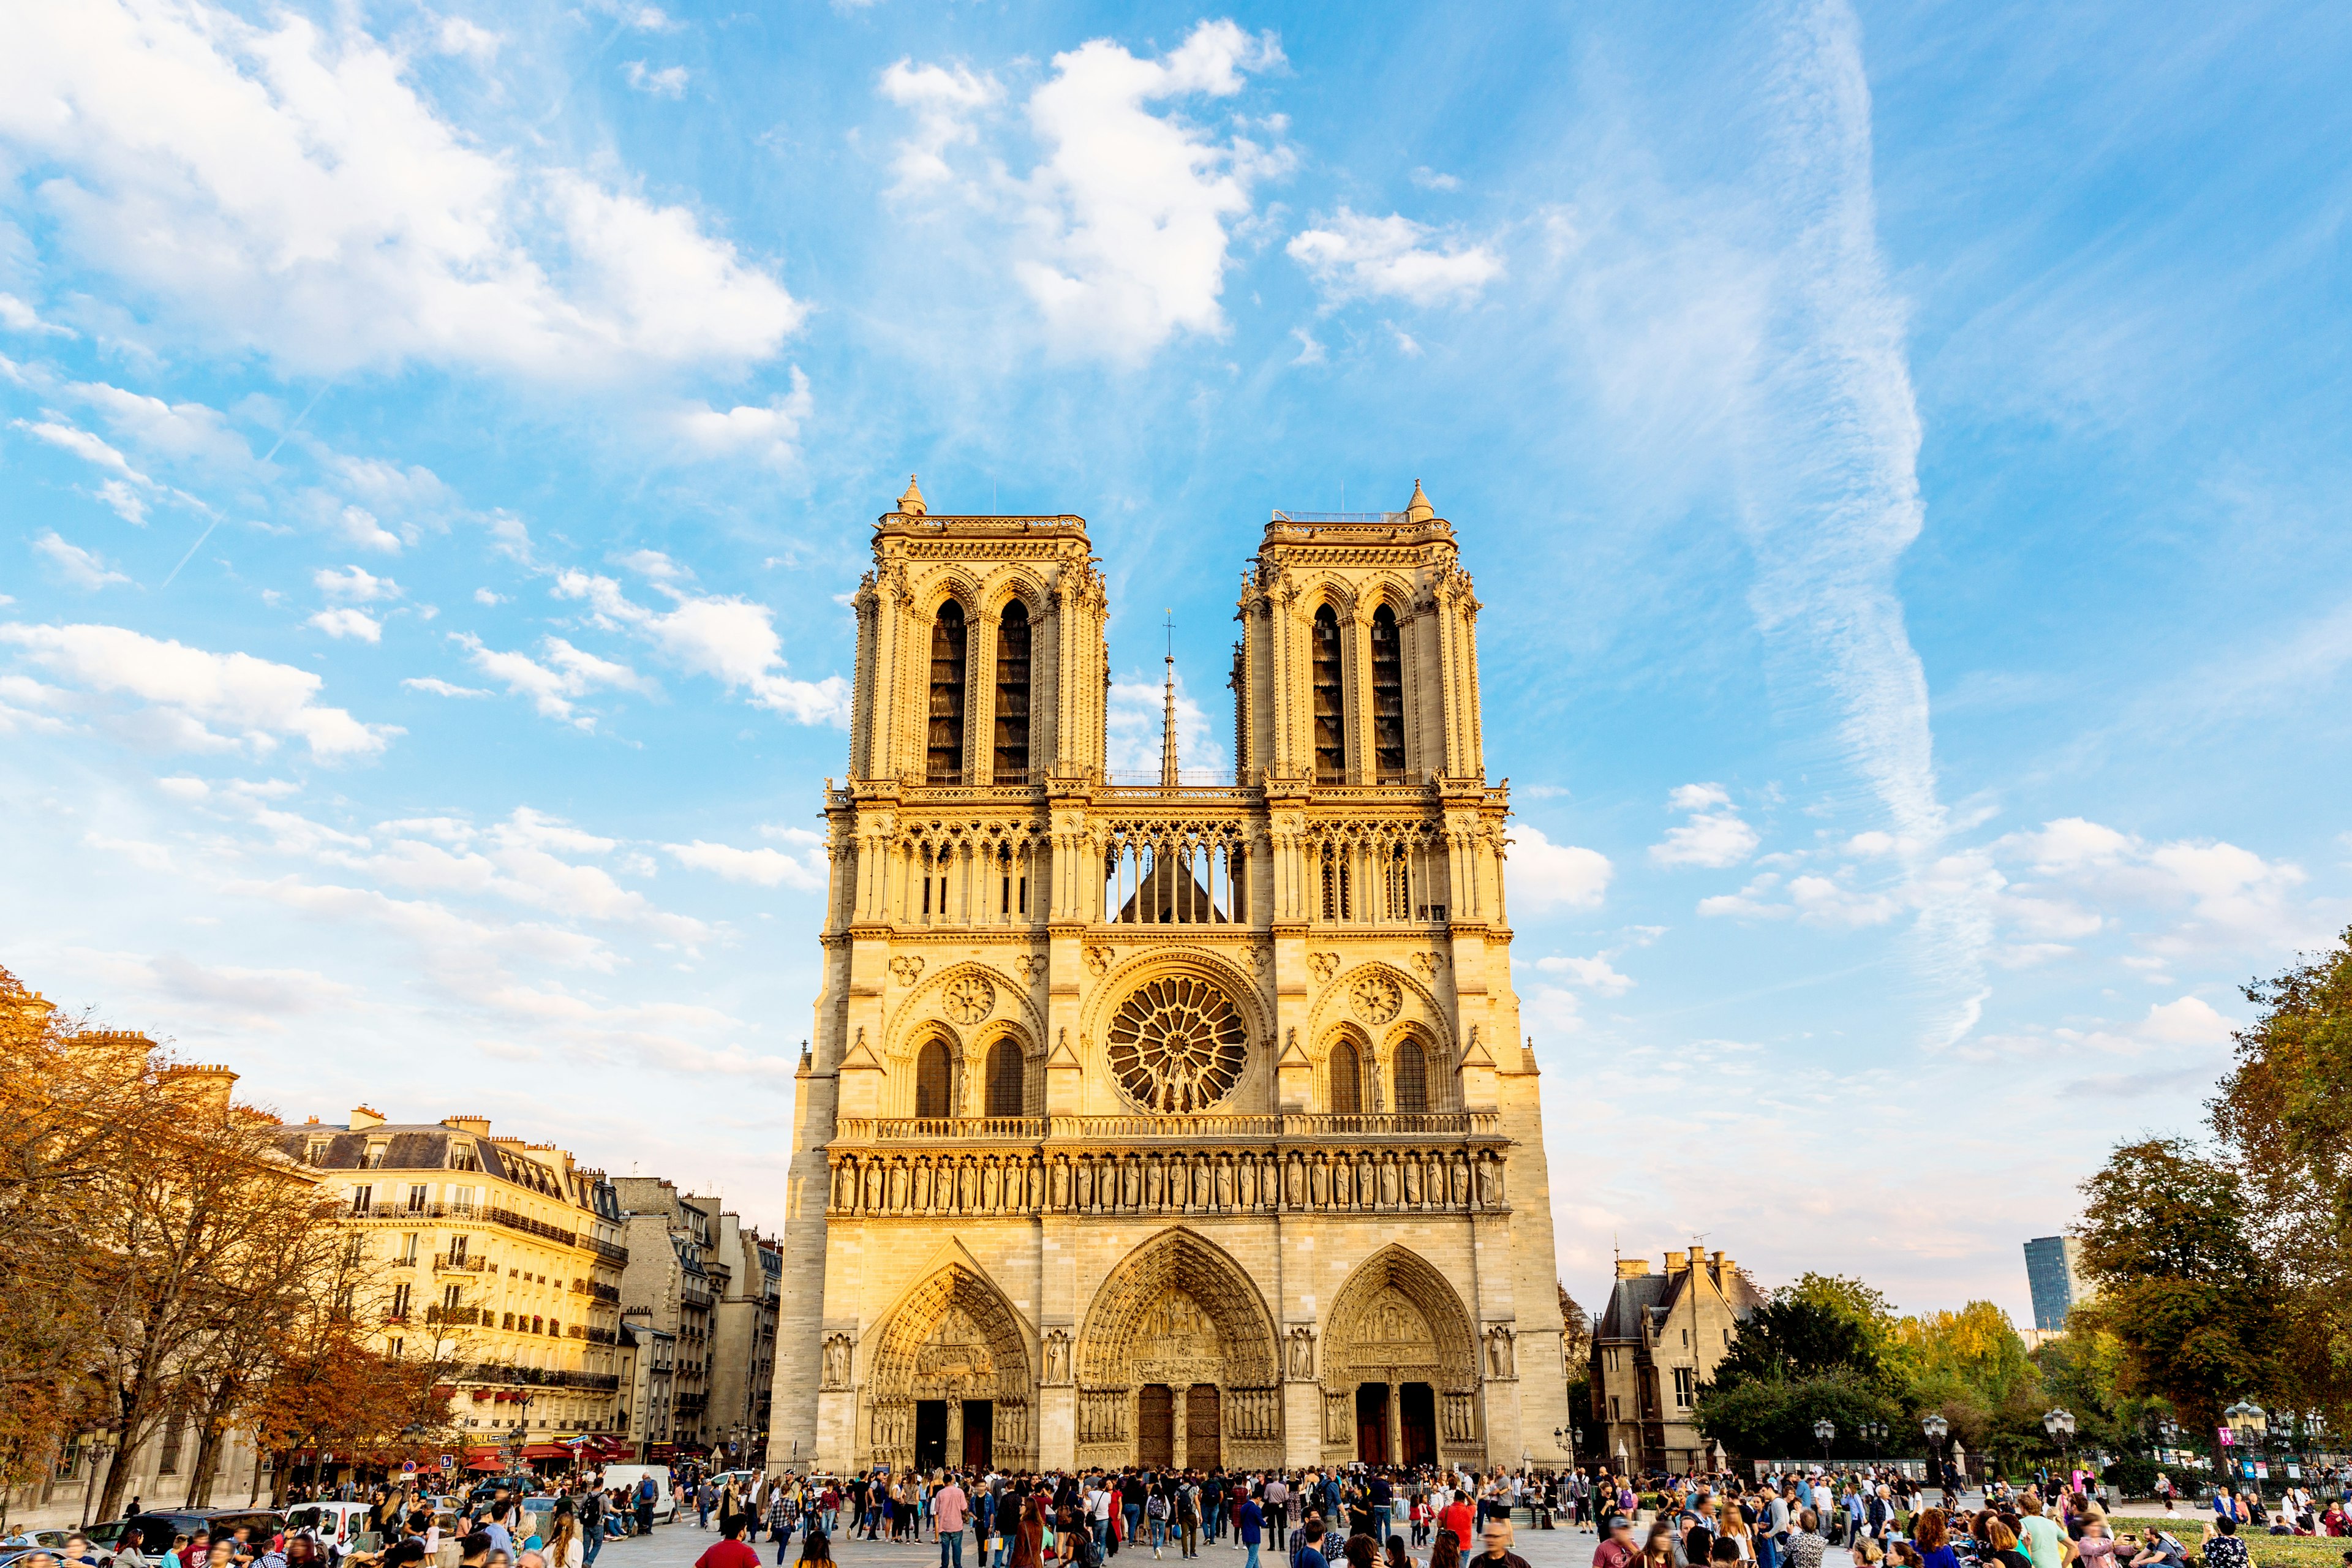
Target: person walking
950, 1507
784, 1515
1250, 1528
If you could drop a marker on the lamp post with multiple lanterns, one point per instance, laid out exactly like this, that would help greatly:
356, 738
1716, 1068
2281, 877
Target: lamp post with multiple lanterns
2060, 1423
1938, 1428
1826, 1430
2251, 1424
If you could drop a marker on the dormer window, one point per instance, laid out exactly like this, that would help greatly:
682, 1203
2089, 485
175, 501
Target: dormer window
375, 1153
316, 1154
462, 1157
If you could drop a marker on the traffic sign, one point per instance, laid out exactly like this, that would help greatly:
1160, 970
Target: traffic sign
407, 1467
448, 1461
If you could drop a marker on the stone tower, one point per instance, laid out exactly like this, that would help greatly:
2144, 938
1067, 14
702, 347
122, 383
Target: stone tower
1153, 1121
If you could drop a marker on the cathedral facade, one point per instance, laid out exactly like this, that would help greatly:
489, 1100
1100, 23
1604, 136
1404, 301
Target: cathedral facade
1156, 1122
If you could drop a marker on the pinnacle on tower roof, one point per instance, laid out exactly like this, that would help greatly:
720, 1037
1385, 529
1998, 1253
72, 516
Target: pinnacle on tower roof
1418, 509
911, 503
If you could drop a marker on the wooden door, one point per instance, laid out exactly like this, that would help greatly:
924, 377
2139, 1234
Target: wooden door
1373, 1423
1203, 1425
1155, 1426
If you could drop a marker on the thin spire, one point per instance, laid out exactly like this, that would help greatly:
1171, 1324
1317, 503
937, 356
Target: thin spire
911, 503
1418, 509
1168, 721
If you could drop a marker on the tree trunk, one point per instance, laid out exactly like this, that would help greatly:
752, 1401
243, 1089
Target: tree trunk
130, 1429
212, 1437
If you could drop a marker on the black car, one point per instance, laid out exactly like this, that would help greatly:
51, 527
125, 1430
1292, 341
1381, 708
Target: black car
157, 1527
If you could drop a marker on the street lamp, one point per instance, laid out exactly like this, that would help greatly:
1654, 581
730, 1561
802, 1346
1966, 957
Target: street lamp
1937, 1428
2060, 1423
2250, 1423
1873, 1433
1825, 1430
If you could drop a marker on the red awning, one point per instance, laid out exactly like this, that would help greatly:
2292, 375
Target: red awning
492, 1465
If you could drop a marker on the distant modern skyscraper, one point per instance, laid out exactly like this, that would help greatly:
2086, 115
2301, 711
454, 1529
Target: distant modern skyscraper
2052, 1265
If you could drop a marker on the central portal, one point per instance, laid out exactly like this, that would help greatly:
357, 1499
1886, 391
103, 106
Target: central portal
1417, 1404
1155, 1426
1203, 1422
931, 1434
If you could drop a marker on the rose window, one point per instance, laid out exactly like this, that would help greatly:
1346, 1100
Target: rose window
1377, 997
968, 998
1176, 1044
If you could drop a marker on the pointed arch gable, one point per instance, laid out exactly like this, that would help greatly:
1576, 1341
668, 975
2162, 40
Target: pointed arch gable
1177, 1262
951, 1334
1361, 1341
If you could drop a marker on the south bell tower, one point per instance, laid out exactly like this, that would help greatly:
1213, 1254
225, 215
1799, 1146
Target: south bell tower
1160, 1122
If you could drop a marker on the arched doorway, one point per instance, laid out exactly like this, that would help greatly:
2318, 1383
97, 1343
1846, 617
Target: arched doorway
951, 1382
1400, 1355
1177, 1363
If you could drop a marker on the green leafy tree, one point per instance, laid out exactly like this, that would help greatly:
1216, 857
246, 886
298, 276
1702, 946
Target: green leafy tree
1824, 1346
2193, 1304
2284, 1113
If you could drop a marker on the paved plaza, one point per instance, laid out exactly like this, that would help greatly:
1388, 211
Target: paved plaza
677, 1545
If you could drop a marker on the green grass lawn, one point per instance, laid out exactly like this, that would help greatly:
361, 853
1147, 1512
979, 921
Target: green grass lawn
2267, 1551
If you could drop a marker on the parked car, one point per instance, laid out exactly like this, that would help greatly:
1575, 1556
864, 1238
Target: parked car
52, 1541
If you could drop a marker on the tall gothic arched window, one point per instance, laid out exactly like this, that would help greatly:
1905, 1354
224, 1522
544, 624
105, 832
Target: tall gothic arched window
944, 763
1005, 1079
1012, 695
934, 1078
1388, 698
1412, 1078
1347, 1080
1330, 705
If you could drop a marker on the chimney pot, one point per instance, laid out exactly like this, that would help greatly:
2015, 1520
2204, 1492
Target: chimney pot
363, 1117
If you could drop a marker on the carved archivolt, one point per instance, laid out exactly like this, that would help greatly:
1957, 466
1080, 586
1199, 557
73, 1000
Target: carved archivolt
953, 1337
1178, 1305
1398, 1321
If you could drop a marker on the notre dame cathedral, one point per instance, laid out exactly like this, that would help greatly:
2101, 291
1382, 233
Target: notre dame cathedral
1150, 1121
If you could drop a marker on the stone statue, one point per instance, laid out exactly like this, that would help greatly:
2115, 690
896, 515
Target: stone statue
836, 1361
1302, 1355
1498, 1352
1057, 1356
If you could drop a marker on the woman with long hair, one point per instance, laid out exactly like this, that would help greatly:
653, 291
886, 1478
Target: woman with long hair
1446, 1551
816, 1546
1658, 1551
565, 1548
1029, 1535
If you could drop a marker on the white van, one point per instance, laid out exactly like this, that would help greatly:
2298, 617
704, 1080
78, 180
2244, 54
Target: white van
341, 1527
627, 1478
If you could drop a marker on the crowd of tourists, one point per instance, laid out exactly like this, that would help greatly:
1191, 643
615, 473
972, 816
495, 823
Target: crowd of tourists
1356, 1517
1884, 1521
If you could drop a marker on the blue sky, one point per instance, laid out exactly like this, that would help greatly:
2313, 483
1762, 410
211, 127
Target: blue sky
1899, 449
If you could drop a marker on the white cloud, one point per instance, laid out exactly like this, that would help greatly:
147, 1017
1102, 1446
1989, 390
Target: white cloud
82, 444
1311, 349
762, 868
440, 688
1126, 216
287, 188
1354, 256
186, 432
765, 433
668, 82
355, 585
79, 566
1544, 876
487, 596
1428, 179
1596, 973
1716, 836
459, 37
126, 502
2076, 876
346, 622
191, 691
727, 638
555, 686
359, 526
943, 102
18, 317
